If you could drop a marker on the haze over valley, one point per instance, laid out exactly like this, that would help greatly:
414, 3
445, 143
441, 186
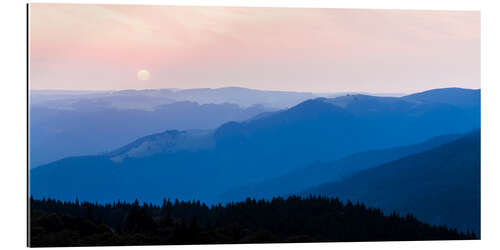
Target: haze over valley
226, 152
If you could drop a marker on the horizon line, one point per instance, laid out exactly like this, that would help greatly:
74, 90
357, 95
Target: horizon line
236, 87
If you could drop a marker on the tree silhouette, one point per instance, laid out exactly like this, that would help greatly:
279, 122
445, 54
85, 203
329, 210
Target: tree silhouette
294, 219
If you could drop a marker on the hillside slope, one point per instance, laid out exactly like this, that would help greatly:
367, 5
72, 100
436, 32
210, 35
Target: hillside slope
88, 127
298, 179
192, 165
439, 186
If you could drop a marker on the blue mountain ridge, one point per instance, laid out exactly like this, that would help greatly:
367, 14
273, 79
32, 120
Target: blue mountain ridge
89, 127
439, 186
204, 164
322, 172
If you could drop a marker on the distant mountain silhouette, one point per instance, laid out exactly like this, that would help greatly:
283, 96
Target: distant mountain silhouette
149, 98
464, 98
244, 97
297, 180
438, 186
193, 165
92, 127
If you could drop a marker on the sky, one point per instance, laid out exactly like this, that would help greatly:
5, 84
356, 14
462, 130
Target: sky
115, 47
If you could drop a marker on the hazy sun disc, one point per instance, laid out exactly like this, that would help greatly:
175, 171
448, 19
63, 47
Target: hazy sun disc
143, 75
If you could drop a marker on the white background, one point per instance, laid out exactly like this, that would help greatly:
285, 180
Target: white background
13, 115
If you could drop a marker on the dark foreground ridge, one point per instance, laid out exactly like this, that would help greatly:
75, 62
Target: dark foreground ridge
295, 219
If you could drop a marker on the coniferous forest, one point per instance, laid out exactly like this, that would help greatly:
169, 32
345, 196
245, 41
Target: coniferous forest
294, 219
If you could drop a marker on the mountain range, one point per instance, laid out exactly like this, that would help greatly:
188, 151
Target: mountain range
321, 172
67, 123
440, 185
148, 99
319, 140
91, 127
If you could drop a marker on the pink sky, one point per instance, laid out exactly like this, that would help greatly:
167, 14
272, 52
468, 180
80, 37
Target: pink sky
102, 47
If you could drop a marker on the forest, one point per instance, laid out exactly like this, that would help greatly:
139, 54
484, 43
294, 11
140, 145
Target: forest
278, 220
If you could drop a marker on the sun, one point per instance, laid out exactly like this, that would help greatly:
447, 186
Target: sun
143, 75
